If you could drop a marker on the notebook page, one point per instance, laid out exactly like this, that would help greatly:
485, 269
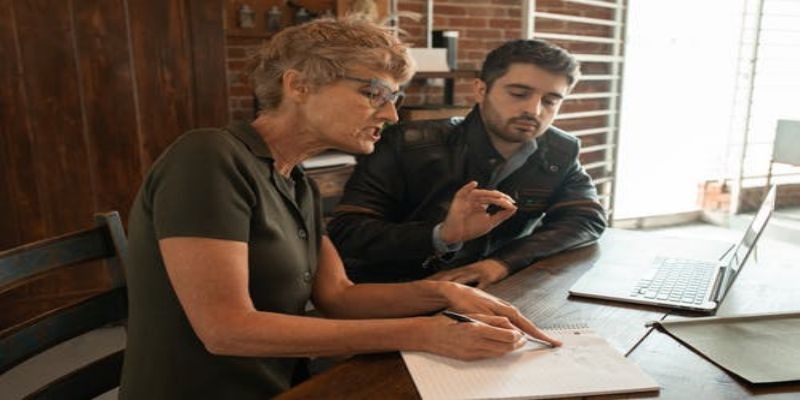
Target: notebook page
585, 365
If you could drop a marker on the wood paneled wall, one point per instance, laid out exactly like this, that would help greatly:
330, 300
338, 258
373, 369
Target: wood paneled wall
91, 92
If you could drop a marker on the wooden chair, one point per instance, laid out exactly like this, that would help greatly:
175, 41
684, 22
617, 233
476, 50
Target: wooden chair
18, 343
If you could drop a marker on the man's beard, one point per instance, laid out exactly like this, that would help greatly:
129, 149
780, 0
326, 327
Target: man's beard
504, 130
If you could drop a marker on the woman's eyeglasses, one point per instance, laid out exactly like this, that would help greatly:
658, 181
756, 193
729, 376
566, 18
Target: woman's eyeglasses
379, 92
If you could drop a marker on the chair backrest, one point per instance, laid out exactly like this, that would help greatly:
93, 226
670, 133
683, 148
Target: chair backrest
786, 149
106, 241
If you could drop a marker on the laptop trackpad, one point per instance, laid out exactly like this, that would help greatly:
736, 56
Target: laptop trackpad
610, 279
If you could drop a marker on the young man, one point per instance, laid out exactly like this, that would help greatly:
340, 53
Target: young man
474, 200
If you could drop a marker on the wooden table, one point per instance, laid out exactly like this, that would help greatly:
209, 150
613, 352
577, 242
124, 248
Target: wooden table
540, 292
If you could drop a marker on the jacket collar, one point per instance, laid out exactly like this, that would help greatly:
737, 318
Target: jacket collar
480, 151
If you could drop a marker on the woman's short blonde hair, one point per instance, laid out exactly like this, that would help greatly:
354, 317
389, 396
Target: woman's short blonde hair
323, 51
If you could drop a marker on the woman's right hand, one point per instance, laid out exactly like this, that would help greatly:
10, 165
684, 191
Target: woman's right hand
465, 299
490, 336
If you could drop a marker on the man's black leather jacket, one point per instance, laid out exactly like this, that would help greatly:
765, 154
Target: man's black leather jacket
383, 225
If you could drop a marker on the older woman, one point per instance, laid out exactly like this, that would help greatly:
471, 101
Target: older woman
227, 244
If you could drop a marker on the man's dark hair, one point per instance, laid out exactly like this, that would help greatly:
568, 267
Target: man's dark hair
544, 55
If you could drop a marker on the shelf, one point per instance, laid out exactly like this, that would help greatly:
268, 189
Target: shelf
449, 77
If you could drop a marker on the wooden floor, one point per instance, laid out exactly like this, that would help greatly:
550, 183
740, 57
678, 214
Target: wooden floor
781, 242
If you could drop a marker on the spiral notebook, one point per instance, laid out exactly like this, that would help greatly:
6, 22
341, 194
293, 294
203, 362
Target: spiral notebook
585, 365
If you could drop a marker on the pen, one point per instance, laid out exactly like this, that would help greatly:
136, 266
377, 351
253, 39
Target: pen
457, 317
463, 318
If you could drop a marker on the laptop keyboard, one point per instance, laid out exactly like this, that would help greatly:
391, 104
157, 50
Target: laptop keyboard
677, 280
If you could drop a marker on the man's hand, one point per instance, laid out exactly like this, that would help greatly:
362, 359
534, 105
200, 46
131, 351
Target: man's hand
467, 217
483, 273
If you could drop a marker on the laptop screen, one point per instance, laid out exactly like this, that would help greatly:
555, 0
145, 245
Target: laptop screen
745, 246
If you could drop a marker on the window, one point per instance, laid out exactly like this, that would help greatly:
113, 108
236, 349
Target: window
592, 30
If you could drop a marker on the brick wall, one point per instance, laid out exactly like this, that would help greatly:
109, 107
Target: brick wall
716, 196
240, 94
482, 26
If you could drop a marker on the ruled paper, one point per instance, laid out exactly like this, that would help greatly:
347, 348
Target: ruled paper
585, 365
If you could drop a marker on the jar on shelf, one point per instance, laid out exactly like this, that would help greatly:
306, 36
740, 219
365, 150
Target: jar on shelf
302, 16
274, 17
247, 17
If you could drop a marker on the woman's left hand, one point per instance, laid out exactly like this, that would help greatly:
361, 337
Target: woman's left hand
465, 299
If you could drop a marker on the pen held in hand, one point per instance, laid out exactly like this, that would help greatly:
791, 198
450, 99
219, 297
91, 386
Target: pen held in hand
463, 318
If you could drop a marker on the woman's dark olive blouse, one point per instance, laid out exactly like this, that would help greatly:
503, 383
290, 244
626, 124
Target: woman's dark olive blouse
220, 184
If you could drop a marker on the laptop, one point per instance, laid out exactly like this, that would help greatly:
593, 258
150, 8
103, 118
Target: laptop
676, 282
